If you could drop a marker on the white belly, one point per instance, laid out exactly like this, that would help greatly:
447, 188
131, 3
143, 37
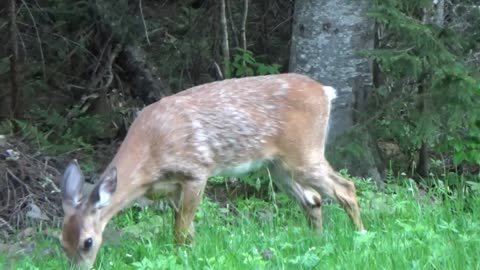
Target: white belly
240, 169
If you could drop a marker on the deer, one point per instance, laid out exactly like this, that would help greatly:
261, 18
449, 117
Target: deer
227, 127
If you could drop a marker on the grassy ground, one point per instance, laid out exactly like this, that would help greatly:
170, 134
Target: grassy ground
406, 231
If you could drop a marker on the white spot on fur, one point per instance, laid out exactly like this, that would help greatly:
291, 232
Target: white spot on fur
196, 124
283, 89
240, 169
164, 188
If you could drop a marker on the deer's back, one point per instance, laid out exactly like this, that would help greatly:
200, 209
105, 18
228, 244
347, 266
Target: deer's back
237, 121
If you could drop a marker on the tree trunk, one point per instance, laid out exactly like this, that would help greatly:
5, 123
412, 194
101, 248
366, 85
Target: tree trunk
225, 47
432, 15
5, 80
326, 39
16, 105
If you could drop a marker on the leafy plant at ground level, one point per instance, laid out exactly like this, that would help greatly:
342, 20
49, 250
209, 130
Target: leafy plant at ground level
251, 67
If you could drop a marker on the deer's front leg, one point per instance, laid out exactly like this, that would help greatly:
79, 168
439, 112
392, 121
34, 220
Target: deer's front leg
192, 193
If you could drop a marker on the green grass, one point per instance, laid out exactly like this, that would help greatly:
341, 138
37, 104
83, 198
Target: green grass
406, 231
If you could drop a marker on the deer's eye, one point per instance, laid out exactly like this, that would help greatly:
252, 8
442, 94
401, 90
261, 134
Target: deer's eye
87, 244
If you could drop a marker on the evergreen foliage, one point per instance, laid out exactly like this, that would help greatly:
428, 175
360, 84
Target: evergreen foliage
431, 92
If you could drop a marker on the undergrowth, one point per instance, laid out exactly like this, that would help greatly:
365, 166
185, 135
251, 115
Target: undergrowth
406, 230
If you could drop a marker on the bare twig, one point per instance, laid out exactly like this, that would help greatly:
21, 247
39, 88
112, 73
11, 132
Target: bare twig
18, 179
143, 21
3, 222
24, 47
100, 57
89, 31
119, 83
39, 40
111, 59
3, 25
107, 68
280, 24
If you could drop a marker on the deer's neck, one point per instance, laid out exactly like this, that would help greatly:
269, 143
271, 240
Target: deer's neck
133, 180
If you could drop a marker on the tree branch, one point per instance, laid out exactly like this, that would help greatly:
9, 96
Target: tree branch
143, 22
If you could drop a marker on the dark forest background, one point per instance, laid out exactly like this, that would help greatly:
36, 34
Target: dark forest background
73, 74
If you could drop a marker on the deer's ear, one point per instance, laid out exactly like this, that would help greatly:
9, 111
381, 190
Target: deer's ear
103, 191
72, 185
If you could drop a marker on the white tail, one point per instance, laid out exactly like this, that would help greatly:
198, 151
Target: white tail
227, 127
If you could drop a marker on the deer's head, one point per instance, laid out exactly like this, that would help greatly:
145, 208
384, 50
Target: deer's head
83, 226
